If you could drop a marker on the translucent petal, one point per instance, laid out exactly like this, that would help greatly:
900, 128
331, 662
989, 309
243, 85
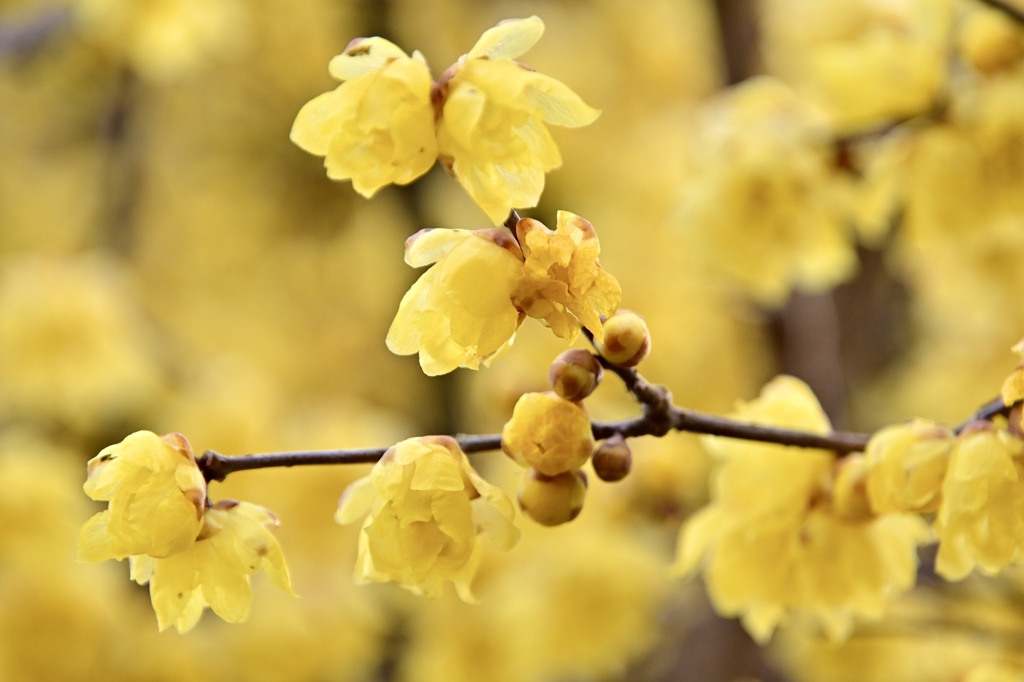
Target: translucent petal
368, 55
558, 104
319, 121
430, 245
356, 501
509, 39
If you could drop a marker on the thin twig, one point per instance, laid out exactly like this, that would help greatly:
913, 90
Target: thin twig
994, 408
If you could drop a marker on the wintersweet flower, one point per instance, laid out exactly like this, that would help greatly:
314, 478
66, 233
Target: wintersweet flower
460, 312
425, 506
156, 494
377, 127
491, 134
773, 544
486, 119
235, 542
466, 309
906, 466
548, 433
980, 521
563, 283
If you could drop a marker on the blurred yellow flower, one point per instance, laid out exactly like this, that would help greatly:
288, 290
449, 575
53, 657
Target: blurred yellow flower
980, 522
377, 127
762, 207
459, 313
485, 120
906, 465
73, 345
548, 433
563, 283
425, 505
157, 495
773, 544
235, 542
163, 39
491, 133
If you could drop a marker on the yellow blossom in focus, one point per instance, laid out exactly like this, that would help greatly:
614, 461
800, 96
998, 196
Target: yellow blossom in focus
491, 133
980, 522
906, 466
548, 433
235, 542
762, 207
162, 39
466, 308
773, 545
377, 127
156, 494
459, 313
425, 506
563, 283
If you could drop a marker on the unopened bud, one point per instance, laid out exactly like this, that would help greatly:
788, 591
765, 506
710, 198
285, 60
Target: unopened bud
612, 459
627, 340
991, 42
575, 374
552, 500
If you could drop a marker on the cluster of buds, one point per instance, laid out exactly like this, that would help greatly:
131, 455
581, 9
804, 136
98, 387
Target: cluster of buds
550, 435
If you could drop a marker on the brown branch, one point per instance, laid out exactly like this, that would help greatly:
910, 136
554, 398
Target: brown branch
1006, 8
994, 408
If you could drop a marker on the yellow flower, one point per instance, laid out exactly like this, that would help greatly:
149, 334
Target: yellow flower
491, 135
485, 120
563, 284
377, 127
906, 465
466, 309
459, 313
1013, 387
548, 433
980, 522
235, 542
168, 38
773, 544
425, 506
156, 494
763, 206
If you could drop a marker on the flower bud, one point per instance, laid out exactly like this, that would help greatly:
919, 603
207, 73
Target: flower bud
552, 500
990, 42
575, 374
627, 340
548, 434
612, 459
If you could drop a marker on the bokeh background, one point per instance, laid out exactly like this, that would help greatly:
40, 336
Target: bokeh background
828, 188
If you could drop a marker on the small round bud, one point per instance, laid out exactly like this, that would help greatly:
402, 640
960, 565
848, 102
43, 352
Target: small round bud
552, 500
626, 341
612, 459
990, 42
575, 374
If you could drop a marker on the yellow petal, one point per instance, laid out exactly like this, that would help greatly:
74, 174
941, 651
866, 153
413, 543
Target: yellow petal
356, 501
509, 39
368, 54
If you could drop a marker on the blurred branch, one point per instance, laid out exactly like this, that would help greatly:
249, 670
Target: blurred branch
1006, 8
25, 37
740, 35
986, 412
